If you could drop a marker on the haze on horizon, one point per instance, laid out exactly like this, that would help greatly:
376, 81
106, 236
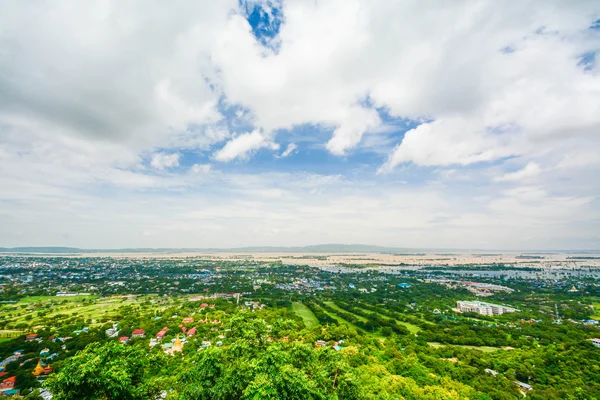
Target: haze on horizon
145, 124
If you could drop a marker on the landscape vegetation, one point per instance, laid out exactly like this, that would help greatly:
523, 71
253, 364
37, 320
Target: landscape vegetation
203, 328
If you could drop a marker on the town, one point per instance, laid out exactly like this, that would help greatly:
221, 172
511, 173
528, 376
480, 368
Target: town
54, 307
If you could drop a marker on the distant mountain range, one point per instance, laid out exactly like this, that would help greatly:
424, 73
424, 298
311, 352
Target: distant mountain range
319, 248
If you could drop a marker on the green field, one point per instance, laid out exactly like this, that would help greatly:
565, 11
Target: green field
335, 307
412, 328
597, 308
36, 299
302, 311
486, 349
34, 311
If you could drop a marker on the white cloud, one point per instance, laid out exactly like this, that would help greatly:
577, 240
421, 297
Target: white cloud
200, 169
113, 82
350, 131
291, 148
242, 145
531, 170
162, 160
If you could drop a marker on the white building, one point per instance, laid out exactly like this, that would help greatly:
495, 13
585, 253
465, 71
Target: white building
595, 342
483, 308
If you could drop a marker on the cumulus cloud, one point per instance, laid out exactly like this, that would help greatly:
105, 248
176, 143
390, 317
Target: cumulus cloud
242, 145
531, 170
162, 160
291, 148
487, 86
198, 169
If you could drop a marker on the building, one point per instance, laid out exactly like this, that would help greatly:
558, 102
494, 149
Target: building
38, 370
138, 333
172, 348
404, 285
8, 383
188, 320
10, 393
124, 339
483, 308
160, 335
523, 385
31, 337
112, 332
595, 342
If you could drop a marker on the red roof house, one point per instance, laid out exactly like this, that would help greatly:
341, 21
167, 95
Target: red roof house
138, 333
8, 383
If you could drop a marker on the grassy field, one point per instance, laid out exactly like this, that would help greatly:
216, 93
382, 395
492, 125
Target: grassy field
309, 318
36, 299
597, 308
33, 311
486, 349
332, 305
412, 328
341, 320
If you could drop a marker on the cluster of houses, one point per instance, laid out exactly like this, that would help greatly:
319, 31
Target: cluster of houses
41, 370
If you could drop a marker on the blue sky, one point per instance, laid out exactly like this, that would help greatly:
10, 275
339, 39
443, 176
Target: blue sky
265, 122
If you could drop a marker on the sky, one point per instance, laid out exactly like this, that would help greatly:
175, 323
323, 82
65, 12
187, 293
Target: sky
462, 124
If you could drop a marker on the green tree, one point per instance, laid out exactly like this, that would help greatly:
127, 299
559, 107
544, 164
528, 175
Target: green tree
104, 372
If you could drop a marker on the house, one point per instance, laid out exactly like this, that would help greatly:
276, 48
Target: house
436, 311
162, 333
321, 343
10, 392
188, 320
45, 352
138, 333
404, 285
595, 342
8, 383
192, 332
31, 337
124, 339
523, 385
45, 394
491, 371
112, 332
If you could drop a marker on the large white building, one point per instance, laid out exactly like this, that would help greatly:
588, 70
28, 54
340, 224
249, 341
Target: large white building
595, 342
483, 308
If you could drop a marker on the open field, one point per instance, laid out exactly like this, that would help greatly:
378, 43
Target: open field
33, 312
597, 308
8, 334
335, 307
309, 318
412, 328
35, 299
486, 349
